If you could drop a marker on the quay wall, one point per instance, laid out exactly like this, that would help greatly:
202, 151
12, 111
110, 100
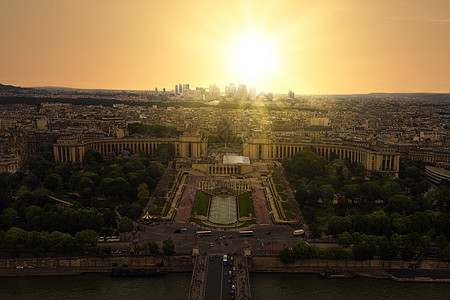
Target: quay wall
185, 263
274, 264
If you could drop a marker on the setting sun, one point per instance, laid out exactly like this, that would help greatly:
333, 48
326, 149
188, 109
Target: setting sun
253, 58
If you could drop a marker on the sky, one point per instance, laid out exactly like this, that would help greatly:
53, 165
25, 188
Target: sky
309, 47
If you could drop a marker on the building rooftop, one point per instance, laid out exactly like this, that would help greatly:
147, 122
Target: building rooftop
236, 160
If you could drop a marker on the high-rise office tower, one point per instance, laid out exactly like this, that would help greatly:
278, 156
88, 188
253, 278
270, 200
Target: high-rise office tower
252, 94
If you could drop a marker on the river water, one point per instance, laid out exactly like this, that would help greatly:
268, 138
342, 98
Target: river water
265, 286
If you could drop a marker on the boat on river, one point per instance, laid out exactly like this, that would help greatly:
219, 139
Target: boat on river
336, 274
131, 272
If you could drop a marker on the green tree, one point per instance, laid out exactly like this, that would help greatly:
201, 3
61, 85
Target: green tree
125, 225
33, 214
53, 182
345, 240
351, 191
92, 156
110, 219
31, 181
168, 247
287, 256
401, 204
153, 248
13, 237
61, 242
307, 164
38, 242
86, 241
143, 193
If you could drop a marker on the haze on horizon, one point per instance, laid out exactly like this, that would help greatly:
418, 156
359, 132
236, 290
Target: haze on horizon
310, 47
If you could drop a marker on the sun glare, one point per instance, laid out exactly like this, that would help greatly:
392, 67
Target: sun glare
253, 59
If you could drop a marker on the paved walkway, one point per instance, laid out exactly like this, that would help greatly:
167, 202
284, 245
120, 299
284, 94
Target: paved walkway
259, 202
198, 280
187, 200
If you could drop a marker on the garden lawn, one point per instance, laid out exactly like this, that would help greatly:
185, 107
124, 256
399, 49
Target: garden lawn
246, 205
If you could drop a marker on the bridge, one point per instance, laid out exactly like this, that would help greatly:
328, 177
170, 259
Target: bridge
215, 279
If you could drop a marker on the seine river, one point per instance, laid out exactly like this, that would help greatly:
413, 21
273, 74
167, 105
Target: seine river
175, 286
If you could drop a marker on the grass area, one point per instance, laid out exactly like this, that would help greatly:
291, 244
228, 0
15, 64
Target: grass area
275, 179
196, 221
283, 196
246, 205
201, 203
169, 187
246, 223
161, 201
199, 222
279, 188
289, 215
156, 211
285, 206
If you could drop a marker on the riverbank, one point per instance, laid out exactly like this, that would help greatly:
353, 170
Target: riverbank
423, 271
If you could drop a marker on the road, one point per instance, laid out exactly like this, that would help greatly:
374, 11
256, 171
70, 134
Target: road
265, 238
220, 278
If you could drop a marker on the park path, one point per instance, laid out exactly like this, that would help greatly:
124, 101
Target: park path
187, 200
261, 212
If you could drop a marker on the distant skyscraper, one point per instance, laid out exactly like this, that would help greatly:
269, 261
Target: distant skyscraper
243, 92
214, 91
156, 90
176, 89
230, 90
180, 88
291, 95
164, 90
185, 86
252, 93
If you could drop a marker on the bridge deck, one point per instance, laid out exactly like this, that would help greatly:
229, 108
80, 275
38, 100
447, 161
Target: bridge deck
212, 279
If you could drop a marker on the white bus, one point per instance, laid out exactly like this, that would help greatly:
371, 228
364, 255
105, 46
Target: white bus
245, 232
299, 232
203, 232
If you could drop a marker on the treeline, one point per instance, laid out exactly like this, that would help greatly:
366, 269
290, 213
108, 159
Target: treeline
16, 240
361, 247
159, 100
426, 222
325, 189
152, 248
82, 198
153, 130
303, 250
125, 181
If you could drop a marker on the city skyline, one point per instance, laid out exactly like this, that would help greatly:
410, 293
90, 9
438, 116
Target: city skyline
327, 47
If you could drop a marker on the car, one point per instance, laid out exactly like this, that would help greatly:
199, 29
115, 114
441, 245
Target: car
177, 231
233, 287
19, 267
268, 232
211, 244
53, 267
183, 229
230, 236
30, 267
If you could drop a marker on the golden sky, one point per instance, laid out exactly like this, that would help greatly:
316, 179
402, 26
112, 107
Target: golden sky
329, 46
